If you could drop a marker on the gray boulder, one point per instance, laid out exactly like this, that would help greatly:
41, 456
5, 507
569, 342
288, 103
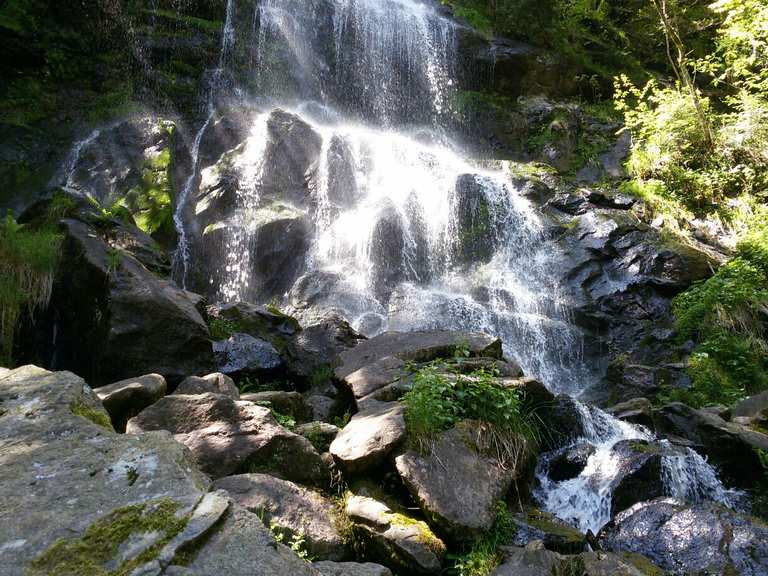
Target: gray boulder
400, 542
369, 438
117, 319
350, 569
244, 354
228, 437
381, 361
636, 411
291, 509
64, 471
242, 546
287, 403
215, 383
320, 434
690, 538
536, 525
752, 411
457, 486
124, 399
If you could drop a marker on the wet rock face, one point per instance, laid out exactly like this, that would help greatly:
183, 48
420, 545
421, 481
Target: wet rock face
730, 446
387, 253
475, 222
291, 158
569, 463
117, 319
689, 539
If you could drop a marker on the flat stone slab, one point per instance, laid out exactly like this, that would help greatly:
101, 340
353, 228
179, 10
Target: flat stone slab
350, 569
369, 437
62, 468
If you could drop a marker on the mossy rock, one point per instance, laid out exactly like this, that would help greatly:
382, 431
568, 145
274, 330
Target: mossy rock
536, 524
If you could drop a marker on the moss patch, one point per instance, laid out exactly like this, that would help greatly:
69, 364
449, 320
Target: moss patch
546, 523
89, 413
90, 554
426, 536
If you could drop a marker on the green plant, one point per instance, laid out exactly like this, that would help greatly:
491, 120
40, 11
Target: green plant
438, 400
343, 420
222, 328
483, 557
321, 375
297, 542
251, 385
286, 421
114, 257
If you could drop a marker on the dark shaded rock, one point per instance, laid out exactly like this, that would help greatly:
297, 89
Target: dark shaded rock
729, 446
320, 434
636, 411
640, 474
394, 539
457, 486
533, 560
369, 438
116, 319
564, 420
244, 354
287, 403
343, 191
291, 509
62, 468
476, 234
350, 569
608, 200
216, 383
387, 252
228, 437
569, 462
124, 399
291, 158
556, 535
690, 538
259, 321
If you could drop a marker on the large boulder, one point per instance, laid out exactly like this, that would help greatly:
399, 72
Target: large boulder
242, 546
116, 319
229, 437
690, 538
394, 539
124, 399
292, 510
752, 411
730, 446
351, 569
287, 403
216, 383
242, 354
381, 361
369, 437
317, 346
65, 474
457, 485
536, 525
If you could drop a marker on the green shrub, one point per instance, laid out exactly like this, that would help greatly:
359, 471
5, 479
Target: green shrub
222, 328
726, 317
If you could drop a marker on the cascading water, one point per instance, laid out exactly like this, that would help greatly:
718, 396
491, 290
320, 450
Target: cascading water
402, 231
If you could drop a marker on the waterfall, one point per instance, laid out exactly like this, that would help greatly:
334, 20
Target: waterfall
585, 500
216, 83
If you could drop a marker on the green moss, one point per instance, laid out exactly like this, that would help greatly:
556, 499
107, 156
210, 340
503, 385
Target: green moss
223, 328
642, 563
90, 554
426, 536
210, 26
89, 413
546, 523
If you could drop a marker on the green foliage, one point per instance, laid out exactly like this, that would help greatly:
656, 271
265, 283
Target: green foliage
439, 400
484, 557
725, 315
28, 261
90, 554
286, 421
297, 541
222, 328
321, 375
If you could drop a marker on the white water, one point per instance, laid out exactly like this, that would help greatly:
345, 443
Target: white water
585, 501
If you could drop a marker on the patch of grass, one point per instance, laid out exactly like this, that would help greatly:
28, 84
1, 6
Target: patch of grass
438, 401
222, 328
321, 375
89, 413
483, 558
29, 258
89, 555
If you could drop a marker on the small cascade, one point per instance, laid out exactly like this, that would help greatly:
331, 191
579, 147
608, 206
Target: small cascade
585, 500
216, 84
